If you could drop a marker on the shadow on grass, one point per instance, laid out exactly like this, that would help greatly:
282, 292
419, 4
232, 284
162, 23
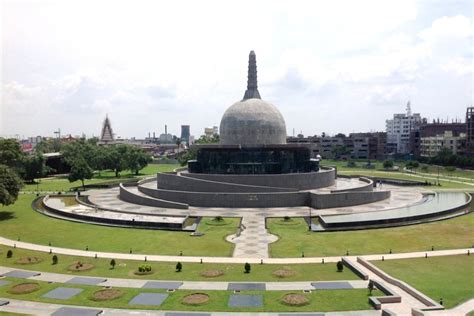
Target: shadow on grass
6, 215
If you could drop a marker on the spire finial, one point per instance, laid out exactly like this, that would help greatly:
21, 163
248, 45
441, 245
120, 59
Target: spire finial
252, 89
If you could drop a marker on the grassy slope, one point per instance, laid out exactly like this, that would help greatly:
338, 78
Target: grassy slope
331, 300
449, 277
166, 270
295, 238
20, 221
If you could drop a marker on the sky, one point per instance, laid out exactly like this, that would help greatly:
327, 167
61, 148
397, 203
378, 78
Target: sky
329, 66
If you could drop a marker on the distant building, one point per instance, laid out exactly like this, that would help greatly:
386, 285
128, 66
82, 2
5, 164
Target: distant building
354, 146
470, 131
434, 129
185, 133
209, 132
432, 145
106, 135
400, 128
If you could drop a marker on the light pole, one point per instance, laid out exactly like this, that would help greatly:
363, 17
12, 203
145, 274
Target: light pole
310, 222
438, 175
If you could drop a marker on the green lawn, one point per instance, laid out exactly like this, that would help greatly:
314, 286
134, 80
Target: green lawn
63, 184
324, 301
166, 270
20, 221
295, 238
432, 173
448, 277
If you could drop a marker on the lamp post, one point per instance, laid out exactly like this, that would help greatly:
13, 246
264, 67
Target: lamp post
438, 175
309, 226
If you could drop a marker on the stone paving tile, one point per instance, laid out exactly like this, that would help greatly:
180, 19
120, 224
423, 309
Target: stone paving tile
86, 281
4, 282
150, 299
73, 311
302, 314
186, 314
245, 301
246, 286
21, 274
62, 293
162, 285
339, 285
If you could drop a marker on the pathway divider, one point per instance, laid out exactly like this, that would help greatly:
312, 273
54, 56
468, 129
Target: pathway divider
141, 257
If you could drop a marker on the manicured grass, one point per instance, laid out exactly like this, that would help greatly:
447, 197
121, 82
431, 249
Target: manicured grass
445, 177
295, 238
324, 301
448, 277
166, 270
108, 176
21, 221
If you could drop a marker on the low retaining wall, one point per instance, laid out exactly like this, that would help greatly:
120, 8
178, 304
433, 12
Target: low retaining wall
127, 196
298, 181
207, 199
407, 288
342, 199
107, 220
369, 186
172, 181
355, 269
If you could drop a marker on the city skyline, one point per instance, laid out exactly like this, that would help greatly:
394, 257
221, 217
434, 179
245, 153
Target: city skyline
149, 65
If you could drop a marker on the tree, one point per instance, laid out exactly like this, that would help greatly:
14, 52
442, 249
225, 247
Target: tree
49, 146
340, 266
185, 156
112, 263
247, 267
371, 286
137, 159
10, 185
10, 153
179, 266
387, 164
80, 170
34, 166
55, 259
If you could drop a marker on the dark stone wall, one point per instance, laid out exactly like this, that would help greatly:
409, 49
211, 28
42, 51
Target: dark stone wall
299, 181
171, 181
131, 197
341, 199
207, 199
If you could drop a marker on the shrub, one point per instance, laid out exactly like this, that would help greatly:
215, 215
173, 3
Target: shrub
179, 266
371, 287
55, 259
387, 164
340, 266
218, 219
9, 254
351, 164
286, 218
112, 263
247, 267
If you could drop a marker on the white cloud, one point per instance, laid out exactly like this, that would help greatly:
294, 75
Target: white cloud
151, 63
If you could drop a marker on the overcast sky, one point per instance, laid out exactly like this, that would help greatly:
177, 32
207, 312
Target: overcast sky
330, 66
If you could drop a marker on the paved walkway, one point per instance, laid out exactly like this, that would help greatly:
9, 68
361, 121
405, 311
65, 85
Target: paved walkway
187, 285
18, 306
141, 257
252, 238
